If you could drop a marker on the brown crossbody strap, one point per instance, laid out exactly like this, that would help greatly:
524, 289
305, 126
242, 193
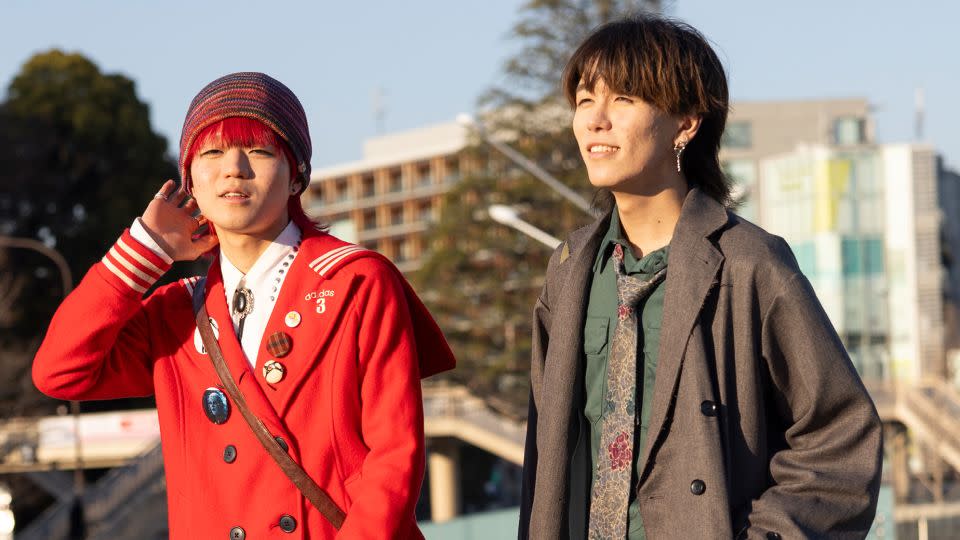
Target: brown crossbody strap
295, 472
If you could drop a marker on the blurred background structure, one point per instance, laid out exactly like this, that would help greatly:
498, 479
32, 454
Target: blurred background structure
862, 188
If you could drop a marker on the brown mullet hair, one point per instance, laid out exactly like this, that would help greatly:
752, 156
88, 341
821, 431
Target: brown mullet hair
670, 65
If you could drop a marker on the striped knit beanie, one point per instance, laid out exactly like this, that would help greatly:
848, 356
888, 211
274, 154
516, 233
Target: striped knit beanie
251, 95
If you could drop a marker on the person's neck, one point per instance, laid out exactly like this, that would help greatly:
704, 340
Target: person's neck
649, 218
243, 250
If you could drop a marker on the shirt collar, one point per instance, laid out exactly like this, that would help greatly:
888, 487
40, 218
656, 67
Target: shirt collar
262, 268
650, 263
613, 236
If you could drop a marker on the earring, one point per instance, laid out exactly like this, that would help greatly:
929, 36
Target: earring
678, 150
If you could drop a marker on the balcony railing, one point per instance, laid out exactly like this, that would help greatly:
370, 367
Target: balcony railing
320, 208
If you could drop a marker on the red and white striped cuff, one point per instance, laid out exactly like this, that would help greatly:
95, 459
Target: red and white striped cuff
134, 264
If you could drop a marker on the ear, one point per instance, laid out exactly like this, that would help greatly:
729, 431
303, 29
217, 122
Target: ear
295, 186
687, 129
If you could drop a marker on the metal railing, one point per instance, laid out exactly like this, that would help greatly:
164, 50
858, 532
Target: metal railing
456, 412
101, 501
322, 208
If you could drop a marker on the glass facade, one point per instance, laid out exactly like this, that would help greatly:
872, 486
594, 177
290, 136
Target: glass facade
828, 205
743, 176
737, 135
849, 130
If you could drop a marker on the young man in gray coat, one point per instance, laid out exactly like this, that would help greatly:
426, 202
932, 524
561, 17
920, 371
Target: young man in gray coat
686, 382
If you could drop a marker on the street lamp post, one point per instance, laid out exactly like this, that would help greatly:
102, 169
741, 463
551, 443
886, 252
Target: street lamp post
67, 279
526, 164
508, 216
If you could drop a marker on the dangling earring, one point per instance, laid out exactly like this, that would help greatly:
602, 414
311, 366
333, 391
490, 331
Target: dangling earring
678, 150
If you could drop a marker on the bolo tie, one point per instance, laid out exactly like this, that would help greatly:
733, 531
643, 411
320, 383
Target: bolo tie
242, 306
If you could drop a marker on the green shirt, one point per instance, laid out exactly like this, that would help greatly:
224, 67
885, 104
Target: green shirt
598, 332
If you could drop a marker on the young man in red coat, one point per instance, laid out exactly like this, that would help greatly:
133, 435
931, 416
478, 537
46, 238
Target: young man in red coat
325, 340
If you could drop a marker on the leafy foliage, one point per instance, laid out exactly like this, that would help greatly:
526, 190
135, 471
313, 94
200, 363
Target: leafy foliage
483, 278
79, 162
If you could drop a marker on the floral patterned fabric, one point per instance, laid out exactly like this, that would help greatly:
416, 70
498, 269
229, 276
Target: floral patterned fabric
610, 496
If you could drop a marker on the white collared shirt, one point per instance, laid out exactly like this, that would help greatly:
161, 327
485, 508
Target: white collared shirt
264, 279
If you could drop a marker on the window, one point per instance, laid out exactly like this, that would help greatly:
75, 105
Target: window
453, 170
424, 177
342, 191
425, 211
849, 130
743, 174
343, 227
850, 251
396, 215
369, 186
873, 255
741, 171
402, 250
806, 255
396, 181
862, 256
738, 135
369, 220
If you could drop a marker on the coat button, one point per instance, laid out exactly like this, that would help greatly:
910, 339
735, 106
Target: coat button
773, 536
230, 453
237, 533
697, 487
287, 523
283, 444
708, 408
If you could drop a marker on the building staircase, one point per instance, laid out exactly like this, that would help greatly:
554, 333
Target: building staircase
128, 502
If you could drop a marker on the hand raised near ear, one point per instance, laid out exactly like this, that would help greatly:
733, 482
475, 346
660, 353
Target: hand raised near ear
172, 224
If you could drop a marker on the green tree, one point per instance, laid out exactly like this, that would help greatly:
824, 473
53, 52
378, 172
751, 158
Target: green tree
481, 279
79, 161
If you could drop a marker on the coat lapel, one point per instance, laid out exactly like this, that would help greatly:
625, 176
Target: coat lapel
561, 398
692, 272
320, 305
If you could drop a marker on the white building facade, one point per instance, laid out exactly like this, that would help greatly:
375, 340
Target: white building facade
864, 223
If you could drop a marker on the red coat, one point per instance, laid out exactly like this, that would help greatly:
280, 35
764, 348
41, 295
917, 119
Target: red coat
349, 406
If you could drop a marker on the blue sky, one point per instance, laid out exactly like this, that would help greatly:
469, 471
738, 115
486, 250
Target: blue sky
432, 58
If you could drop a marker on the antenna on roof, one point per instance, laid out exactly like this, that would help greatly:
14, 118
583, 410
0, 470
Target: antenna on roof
379, 109
918, 104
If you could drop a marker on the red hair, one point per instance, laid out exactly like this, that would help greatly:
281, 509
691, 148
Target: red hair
239, 131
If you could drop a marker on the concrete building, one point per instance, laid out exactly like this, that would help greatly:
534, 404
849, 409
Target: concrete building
948, 190
760, 129
387, 200
864, 223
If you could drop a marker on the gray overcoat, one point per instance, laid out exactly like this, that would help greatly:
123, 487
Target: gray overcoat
755, 398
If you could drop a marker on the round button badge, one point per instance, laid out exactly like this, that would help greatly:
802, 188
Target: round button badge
273, 371
215, 405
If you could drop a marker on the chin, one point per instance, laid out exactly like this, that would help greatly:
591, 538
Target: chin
232, 226
601, 181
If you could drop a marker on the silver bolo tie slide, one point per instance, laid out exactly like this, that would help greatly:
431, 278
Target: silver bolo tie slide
242, 306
